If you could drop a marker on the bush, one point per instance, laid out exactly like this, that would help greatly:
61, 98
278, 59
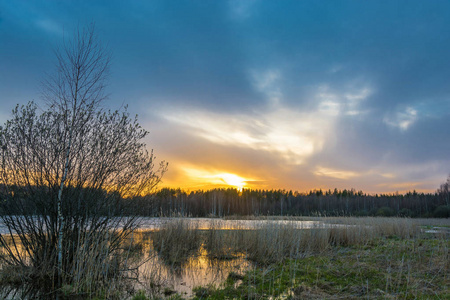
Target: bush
385, 212
442, 211
405, 212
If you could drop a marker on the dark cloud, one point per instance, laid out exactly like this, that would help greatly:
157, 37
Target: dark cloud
370, 77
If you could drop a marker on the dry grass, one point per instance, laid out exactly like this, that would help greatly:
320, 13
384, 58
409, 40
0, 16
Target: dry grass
368, 258
95, 269
223, 243
177, 240
271, 242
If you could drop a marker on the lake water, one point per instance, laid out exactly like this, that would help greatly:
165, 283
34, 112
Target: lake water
200, 269
207, 223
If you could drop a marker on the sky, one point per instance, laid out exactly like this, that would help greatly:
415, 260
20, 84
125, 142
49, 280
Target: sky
294, 95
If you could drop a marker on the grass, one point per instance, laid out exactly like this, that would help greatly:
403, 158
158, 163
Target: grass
355, 258
177, 240
388, 268
345, 258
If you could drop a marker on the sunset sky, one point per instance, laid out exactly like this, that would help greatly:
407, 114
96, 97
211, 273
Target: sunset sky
263, 94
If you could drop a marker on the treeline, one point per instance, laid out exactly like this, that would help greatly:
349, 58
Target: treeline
226, 202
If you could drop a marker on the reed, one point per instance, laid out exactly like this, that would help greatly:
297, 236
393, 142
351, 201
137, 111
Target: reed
176, 240
356, 258
223, 243
272, 242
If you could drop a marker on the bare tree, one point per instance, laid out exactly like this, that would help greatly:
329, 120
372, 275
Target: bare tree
444, 191
64, 170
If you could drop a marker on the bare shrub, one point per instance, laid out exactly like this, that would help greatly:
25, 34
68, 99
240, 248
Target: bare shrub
64, 170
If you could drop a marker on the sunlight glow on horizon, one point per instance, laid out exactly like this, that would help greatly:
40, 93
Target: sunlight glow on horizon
215, 179
233, 180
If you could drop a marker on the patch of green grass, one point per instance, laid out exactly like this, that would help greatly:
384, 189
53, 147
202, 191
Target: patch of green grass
140, 296
389, 268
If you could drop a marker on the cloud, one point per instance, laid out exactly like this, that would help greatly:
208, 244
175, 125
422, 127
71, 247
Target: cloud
267, 82
402, 119
241, 9
293, 135
50, 26
342, 102
333, 173
264, 89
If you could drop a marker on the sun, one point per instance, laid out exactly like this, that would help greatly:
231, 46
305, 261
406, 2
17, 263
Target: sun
204, 178
233, 180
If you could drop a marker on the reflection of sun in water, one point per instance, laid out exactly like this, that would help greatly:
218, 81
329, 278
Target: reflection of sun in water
233, 180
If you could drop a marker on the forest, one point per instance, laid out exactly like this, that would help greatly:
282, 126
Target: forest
228, 202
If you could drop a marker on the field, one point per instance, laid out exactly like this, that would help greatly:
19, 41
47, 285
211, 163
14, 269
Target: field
283, 258
338, 258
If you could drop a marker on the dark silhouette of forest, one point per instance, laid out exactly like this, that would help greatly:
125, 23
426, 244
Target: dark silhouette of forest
227, 202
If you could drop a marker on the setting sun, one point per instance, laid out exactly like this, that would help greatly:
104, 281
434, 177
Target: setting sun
207, 179
233, 180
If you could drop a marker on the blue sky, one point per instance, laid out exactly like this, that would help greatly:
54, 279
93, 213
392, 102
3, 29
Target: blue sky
266, 94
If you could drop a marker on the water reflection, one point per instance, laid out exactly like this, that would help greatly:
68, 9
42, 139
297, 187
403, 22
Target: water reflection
157, 276
218, 252
221, 224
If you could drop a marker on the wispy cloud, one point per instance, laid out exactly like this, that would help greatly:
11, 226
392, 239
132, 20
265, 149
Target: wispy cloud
402, 119
334, 173
266, 82
241, 9
292, 134
346, 102
50, 26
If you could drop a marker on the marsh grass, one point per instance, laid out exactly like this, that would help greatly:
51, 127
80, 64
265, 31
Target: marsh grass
273, 242
391, 269
337, 258
177, 240
367, 258
96, 270
223, 243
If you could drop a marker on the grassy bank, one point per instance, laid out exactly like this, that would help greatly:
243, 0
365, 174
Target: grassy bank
387, 268
385, 258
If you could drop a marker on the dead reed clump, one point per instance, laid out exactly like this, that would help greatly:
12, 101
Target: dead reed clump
223, 243
93, 263
274, 242
359, 231
395, 227
349, 235
176, 240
